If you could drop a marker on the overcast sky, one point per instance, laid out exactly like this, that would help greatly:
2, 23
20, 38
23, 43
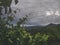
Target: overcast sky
38, 11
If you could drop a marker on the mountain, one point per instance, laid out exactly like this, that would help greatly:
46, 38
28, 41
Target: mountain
33, 27
40, 28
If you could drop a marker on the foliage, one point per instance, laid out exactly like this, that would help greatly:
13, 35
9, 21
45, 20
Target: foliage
16, 35
53, 30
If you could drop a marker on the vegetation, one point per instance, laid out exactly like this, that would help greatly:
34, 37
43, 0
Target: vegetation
53, 30
16, 35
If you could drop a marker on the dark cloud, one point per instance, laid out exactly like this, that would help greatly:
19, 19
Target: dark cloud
37, 10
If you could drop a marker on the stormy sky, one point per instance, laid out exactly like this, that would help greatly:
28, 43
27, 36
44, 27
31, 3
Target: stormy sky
40, 12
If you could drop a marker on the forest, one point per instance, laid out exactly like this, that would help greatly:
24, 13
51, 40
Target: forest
17, 35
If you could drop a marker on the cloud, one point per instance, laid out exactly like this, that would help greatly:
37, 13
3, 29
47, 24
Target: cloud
37, 10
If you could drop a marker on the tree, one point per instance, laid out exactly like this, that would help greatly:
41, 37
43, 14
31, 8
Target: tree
15, 35
6, 29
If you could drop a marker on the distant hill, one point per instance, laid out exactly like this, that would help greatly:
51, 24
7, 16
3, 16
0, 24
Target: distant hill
40, 26
33, 27
50, 28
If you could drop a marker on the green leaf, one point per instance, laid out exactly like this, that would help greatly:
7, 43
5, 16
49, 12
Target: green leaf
10, 40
